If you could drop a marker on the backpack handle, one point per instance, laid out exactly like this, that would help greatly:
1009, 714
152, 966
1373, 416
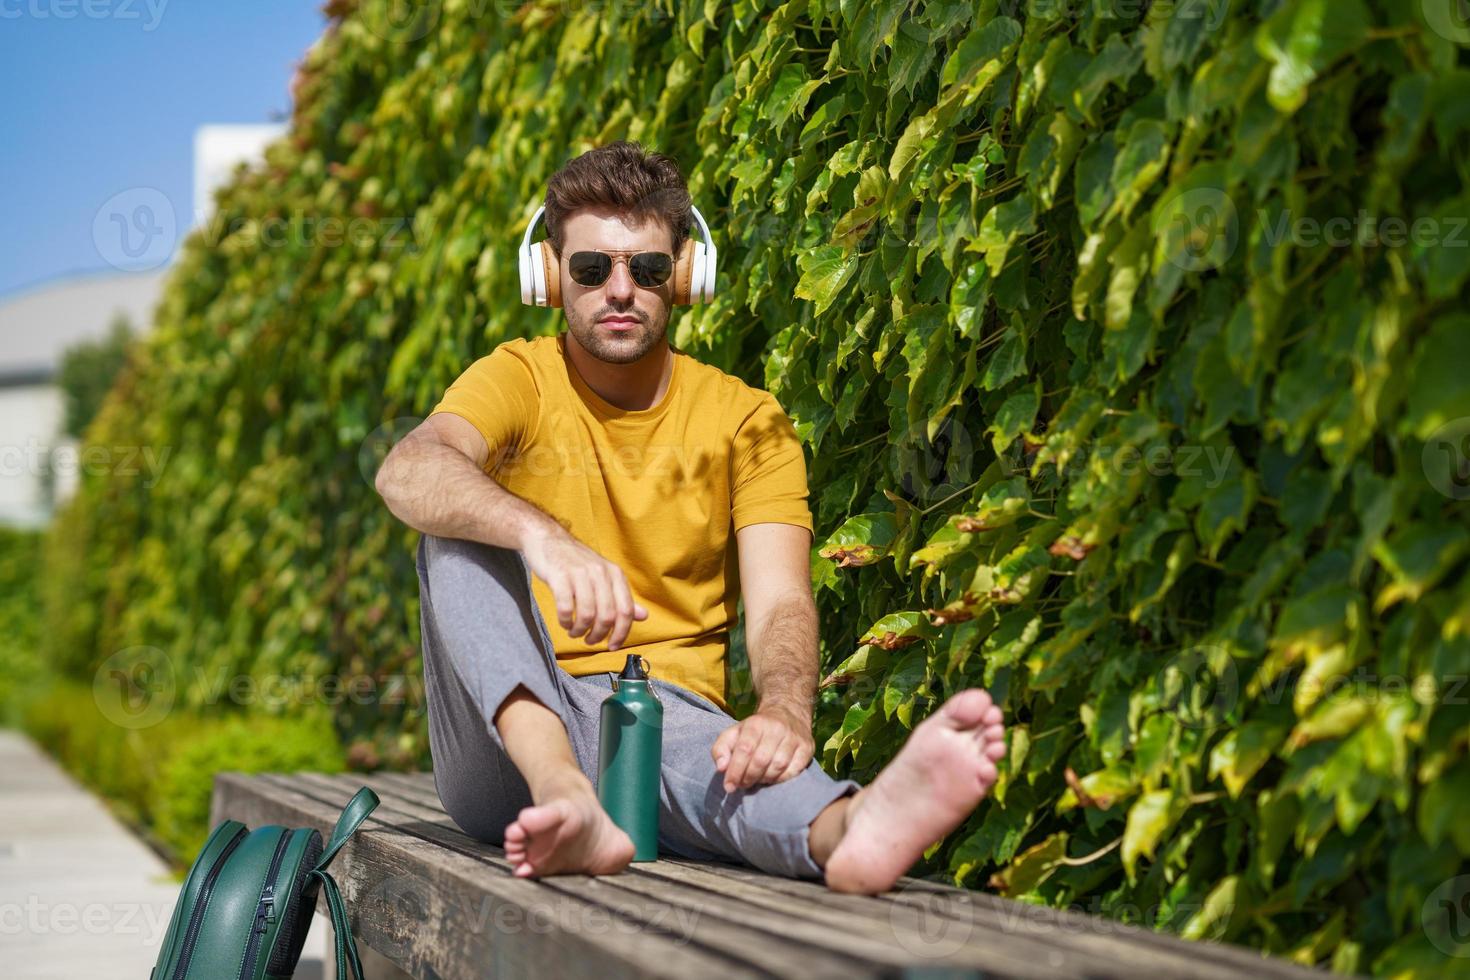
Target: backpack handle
341, 927
353, 814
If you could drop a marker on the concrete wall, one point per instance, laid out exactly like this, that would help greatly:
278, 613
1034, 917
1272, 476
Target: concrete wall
30, 418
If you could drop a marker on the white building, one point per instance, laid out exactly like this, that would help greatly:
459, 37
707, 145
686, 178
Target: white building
135, 233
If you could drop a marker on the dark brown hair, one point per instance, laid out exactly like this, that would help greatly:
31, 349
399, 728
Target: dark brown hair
621, 176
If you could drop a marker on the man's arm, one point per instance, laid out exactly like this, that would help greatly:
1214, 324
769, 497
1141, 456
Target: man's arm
434, 481
775, 743
780, 615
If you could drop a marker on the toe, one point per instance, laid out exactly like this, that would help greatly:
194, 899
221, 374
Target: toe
992, 716
539, 819
967, 708
994, 751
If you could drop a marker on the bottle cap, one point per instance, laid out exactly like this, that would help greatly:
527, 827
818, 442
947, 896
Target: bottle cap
636, 669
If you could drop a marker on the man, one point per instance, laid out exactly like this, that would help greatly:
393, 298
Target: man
607, 483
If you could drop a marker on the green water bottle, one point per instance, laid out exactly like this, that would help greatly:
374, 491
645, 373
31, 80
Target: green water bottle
630, 754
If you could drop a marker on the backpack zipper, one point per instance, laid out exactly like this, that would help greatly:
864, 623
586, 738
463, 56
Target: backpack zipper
264, 909
196, 917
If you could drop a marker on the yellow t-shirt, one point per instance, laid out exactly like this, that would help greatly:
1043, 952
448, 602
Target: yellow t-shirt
659, 492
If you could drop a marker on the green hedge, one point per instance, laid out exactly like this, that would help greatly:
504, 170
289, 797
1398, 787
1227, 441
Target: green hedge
1097, 416
20, 620
160, 777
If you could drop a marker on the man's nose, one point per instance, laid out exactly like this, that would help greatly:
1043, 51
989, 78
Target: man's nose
620, 284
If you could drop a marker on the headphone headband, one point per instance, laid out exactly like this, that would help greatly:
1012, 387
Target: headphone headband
698, 218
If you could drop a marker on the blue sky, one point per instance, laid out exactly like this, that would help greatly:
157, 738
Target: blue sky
103, 96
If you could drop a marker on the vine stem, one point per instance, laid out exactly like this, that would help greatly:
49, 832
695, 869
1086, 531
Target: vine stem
865, 442
939, 503
1077, 862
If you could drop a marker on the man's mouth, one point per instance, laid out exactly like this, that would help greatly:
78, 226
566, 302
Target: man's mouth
620, 322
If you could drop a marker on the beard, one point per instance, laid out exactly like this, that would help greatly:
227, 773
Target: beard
617, 348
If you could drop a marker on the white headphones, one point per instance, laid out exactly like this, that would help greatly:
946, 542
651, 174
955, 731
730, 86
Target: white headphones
693, 279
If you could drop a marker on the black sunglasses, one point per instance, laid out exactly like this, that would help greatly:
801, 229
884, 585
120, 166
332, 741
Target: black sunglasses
648, 269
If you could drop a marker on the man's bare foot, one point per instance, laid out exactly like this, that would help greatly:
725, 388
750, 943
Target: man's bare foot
939, 776
568, 832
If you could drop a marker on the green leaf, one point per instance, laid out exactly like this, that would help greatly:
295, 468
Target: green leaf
1140, 162
825, 270
1047, 155
981, 56
861, 540
1304, 38
1115, 64
1439, 394
1003, 225
1149, 819
1007, 362
1016, 416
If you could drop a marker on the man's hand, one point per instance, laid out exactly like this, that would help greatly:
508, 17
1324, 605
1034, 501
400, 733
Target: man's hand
592, 594
770, 746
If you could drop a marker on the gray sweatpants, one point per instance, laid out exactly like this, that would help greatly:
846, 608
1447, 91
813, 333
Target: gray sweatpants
483, 635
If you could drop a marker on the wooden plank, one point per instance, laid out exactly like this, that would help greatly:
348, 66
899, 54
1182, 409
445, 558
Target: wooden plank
975, 914
900, 943
780, 944
410, 900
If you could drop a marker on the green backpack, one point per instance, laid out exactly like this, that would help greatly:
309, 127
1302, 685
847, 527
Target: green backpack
247, 903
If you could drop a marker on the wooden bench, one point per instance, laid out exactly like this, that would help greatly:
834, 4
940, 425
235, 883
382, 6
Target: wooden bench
438, 904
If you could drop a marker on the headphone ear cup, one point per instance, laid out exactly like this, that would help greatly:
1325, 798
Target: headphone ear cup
550, 275
528, 281
710, 261
696, 275
684, 272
